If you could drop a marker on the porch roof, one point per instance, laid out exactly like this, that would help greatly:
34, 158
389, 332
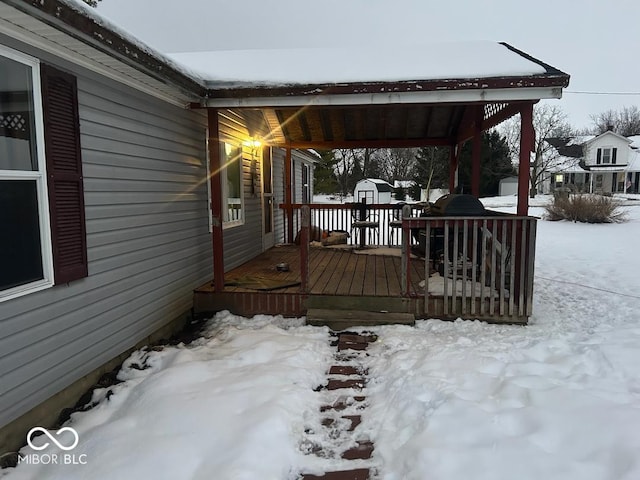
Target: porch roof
391, 97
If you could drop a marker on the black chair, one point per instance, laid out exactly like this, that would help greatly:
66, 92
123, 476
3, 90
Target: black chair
362, 221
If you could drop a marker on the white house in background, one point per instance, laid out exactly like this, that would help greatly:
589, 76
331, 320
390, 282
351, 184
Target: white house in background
372, 190
606, 163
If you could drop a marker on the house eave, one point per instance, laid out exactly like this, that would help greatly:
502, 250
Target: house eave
80, 26
320, 98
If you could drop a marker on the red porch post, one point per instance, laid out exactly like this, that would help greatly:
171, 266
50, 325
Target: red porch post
453, 168
215, 165
305, 220
476, 152
287, 194
526, 146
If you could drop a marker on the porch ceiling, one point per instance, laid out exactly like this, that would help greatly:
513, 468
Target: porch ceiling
346, 126
395, 125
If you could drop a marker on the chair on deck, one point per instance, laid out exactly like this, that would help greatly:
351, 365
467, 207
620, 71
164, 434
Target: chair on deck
396, 221
362, 222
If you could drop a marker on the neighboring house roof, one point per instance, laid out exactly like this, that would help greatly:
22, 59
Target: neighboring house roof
380, 185
403, 183
571, 153
605, 134
569, 146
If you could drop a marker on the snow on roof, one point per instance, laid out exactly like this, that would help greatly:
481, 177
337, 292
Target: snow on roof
454, 60
635, 141
101, 20
634, 160
403, 183
580, 139
608, 132
381, 185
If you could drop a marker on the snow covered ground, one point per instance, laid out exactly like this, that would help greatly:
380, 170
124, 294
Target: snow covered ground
558, 399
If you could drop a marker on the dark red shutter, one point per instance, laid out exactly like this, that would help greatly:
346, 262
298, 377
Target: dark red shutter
598, 160
64, 174
613, 155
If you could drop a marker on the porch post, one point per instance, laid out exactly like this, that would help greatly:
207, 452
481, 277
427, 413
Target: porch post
476, 152
287, 194
526, 146
305, 220
215, 164
453, 168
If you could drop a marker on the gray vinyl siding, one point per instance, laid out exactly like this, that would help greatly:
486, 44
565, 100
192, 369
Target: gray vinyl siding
243, 242
147, 236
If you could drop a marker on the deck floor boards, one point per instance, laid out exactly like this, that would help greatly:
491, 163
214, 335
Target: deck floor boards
331, 272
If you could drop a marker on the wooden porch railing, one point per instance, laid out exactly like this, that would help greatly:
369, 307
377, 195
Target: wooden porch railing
475, 267
341, 217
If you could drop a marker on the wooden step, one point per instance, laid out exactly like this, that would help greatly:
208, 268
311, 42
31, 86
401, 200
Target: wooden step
344, 319
368, 303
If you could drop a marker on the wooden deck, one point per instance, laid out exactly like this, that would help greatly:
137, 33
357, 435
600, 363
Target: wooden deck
356, 276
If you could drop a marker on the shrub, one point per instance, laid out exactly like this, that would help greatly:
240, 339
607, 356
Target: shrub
585, 208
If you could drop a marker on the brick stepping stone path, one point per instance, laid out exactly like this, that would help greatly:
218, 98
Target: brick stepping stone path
344, 387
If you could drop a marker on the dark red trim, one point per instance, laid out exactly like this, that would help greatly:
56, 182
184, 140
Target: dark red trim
288, 198
453, 167
557, 80
527, 136
64, 174
215, 165
476, 152
390, 143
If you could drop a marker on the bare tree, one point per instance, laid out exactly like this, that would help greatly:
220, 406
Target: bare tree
397, 163
548, 121
92, 3
624, 122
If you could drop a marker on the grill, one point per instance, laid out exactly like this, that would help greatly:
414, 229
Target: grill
451, 205
457, 205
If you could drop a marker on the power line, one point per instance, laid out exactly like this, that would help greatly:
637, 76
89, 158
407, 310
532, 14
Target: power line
588, 286
602, 93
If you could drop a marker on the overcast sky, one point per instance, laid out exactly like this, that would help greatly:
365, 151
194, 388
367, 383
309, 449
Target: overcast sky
596, 42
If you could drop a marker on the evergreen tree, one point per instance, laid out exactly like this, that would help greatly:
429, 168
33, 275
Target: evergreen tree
495, 164
324, 175
433, 162
431, 169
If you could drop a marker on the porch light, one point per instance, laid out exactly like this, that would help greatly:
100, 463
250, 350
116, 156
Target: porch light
252, 143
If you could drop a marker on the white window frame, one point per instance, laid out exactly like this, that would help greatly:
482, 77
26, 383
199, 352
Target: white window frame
225, 164
40, 177
609, 151
223, 183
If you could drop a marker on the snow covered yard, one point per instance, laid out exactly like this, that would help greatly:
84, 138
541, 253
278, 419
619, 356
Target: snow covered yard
231, 405
558, 399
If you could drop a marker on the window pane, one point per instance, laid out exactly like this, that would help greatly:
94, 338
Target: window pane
17, 130
233, 188
20, 250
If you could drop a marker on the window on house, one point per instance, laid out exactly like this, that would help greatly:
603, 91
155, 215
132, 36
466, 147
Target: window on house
306, 186
606, 155
41, 215
231, 178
